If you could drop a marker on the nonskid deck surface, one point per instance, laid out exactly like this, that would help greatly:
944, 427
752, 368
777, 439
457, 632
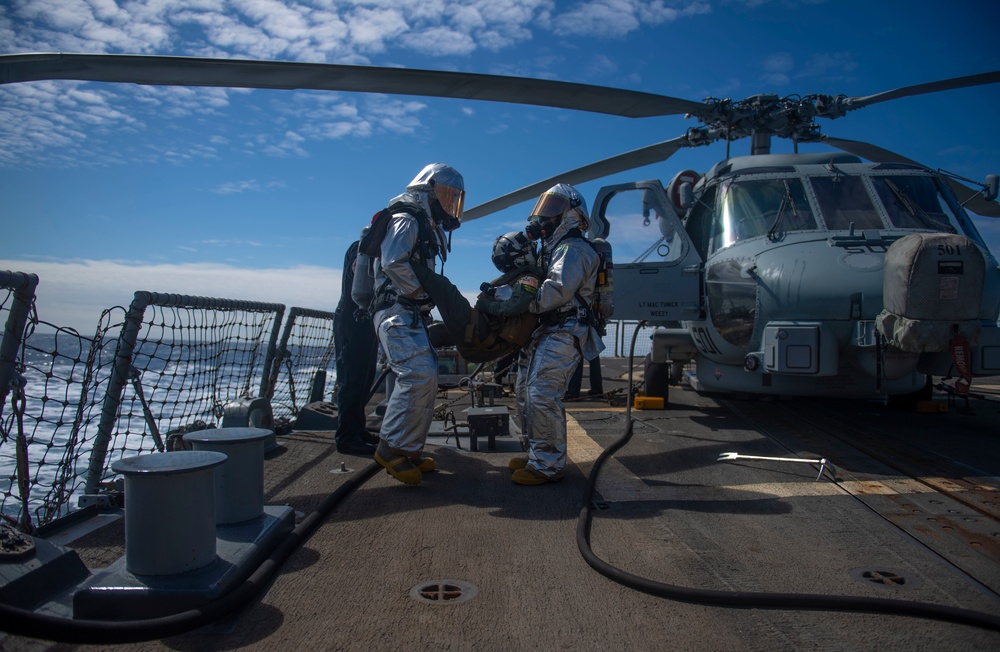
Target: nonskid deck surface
468, 560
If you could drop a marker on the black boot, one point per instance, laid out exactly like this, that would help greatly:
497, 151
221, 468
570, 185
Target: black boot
355, 445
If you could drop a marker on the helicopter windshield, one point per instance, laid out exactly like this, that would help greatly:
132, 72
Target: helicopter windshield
913, 202
760, 207
843, 201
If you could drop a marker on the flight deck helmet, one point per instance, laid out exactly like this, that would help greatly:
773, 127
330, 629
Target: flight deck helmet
513, 250
556, 203
445, 190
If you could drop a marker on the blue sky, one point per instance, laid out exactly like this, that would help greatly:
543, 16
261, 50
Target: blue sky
108, 189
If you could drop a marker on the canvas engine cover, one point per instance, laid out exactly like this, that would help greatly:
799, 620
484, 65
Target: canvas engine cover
932, 290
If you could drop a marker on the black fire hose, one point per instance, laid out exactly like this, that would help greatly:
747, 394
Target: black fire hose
22, 622
748, 599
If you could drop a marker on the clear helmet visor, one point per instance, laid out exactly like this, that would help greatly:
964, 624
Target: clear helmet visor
549, 206
452, 199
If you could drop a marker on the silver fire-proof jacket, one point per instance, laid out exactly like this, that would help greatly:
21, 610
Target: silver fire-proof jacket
399, 247
549, 361
402, 334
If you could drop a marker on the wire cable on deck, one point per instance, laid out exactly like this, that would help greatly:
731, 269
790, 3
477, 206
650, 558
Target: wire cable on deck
749, 599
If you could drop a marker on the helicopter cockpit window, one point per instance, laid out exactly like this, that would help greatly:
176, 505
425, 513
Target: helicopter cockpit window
760, 207
913, 202
637, 230
843, 201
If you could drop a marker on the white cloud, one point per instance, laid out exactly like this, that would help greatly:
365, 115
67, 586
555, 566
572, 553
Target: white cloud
89, 26
313, 30
82, 123
43, 115
440, 41
232, 243
602, 65
370, 28
289, 145
73, 294
249, 185
776, 68
74, 123
779, 68
323, 118
616, 18
830, 65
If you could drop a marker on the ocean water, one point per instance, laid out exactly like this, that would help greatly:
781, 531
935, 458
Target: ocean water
58, 415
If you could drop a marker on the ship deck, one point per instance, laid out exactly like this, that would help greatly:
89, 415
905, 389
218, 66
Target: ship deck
467, 560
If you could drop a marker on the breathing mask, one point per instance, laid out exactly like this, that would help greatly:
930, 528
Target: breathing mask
540, 227
440, 212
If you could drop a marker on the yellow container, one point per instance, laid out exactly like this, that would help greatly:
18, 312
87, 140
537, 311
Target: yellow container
932, 407
648, 403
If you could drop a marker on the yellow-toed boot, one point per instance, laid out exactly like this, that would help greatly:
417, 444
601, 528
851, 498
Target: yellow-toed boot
399, 466
517, 463
425, 464
529, 475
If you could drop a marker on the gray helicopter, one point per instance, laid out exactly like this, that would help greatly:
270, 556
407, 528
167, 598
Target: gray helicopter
807, 275
795, 274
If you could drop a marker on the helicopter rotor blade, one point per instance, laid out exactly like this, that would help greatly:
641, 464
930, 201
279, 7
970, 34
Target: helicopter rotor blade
971, 199
620, 163
867, 150
920, 89
291, 75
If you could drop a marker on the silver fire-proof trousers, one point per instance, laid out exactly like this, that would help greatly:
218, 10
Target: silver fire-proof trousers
552, 359
413, 360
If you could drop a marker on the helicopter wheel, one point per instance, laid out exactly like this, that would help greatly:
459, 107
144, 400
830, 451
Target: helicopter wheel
656, 378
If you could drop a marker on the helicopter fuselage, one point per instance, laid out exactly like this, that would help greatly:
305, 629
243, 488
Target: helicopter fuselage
791, 253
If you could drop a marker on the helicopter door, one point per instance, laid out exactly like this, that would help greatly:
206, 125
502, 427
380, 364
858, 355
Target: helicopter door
656, 267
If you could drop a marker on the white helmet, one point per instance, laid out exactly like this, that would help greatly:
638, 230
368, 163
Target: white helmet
444, 183
513, 250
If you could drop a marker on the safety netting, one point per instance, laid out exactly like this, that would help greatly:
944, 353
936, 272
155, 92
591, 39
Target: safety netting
79, 403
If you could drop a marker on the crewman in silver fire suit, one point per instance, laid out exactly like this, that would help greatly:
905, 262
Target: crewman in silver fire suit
416, 234
564, 334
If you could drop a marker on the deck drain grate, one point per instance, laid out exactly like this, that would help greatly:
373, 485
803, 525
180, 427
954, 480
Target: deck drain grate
882, 577
443, 592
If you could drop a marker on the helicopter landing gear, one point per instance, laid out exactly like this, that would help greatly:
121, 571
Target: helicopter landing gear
656, 378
